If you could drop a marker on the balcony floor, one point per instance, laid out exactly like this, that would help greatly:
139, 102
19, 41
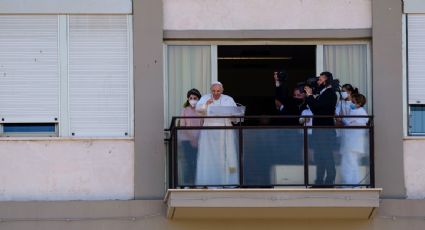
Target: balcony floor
280, 203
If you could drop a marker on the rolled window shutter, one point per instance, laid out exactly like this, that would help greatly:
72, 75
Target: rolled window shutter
29, 68
99, 75
416, 58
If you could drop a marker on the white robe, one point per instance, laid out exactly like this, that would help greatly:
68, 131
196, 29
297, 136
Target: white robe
217, 152
354, 145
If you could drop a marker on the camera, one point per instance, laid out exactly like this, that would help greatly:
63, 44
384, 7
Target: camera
312, 83
336, 85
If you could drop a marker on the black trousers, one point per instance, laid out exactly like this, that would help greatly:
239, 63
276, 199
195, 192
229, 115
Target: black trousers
188, 160
324, 142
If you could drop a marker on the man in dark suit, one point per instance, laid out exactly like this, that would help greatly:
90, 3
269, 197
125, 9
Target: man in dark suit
323, 139
293, 106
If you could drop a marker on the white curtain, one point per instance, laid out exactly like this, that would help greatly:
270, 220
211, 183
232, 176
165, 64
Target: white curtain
188, 67
350, 64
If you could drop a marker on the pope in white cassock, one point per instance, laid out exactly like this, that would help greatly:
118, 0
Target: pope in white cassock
217, 152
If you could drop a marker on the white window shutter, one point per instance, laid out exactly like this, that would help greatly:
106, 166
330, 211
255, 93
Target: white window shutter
99, 75
29, 69
416, 58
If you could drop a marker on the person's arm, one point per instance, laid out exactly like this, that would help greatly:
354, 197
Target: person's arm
201, 106
228, 101
348, 121
338, 109
231, 102
324, 104
358, 121
279, 106
310, 100
282, 93
312, 103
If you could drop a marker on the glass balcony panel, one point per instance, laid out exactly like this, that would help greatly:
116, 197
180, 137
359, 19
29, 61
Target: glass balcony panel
273, 157
207, 157
339, 157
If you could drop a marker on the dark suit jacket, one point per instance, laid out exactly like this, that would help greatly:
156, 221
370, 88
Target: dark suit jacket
282, 93
291, 108
324, 104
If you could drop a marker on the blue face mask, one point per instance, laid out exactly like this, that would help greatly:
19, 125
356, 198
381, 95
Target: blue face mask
353, 106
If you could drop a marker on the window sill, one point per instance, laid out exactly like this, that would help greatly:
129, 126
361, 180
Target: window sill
409, 138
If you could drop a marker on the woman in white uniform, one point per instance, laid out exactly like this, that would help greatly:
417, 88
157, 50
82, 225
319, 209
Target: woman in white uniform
355, 142
217, 151
343, 106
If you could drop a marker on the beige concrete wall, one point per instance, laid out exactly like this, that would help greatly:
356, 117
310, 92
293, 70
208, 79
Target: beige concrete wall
266, 14
149, 174
414, 158
66, 169
387, 83
105, 215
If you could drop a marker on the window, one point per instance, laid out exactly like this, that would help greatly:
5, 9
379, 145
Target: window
33, 129
70, 73
99, 70
247, 70
188, 67
350, 64
29, 69
416, 73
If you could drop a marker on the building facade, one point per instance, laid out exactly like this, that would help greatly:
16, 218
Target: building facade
89, 86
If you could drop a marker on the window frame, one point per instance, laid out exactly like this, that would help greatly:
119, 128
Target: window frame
29, 134
408, 134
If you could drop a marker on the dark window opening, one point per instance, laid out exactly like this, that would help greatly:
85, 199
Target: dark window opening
417, 120
29, 128
247, 72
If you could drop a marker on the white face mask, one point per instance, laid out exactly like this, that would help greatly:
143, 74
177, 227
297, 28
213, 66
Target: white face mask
193, 102
344, 95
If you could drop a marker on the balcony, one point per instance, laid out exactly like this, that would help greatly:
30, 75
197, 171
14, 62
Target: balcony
271, 164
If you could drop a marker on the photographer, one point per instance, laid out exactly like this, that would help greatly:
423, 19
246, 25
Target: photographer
323, 139
281, 90
286, 104
293, 106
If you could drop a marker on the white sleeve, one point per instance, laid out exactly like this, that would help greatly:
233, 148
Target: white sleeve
356, 121
228, 101
338, 108
202, 106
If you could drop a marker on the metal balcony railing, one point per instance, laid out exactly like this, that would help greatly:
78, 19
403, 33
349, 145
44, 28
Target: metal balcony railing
270, 151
